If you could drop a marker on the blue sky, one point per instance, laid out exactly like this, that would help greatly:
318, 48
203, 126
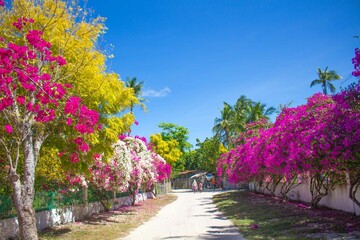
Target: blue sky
195, 54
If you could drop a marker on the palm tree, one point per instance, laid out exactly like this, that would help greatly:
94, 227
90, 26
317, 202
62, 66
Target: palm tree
137, 87
241, 109
223, 125
258, 110
325, 78
233, 119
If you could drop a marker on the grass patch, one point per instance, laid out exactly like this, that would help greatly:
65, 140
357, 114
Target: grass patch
264, 217
109, 225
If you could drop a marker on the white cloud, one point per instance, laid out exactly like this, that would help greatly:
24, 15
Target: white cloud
153, 93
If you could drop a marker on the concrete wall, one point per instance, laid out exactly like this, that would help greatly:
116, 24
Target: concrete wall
50, 218
337, 199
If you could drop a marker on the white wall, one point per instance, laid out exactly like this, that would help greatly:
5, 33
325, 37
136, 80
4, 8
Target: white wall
45, 219
337, 199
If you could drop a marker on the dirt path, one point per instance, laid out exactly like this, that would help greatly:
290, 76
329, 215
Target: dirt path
191, 216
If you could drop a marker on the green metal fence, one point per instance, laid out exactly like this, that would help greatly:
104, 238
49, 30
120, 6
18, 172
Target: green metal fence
42, 201
95, 195
6, 208
121, 194
48, 200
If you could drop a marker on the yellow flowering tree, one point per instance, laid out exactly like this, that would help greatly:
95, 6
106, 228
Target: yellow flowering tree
74, 34
53, 46
168, 149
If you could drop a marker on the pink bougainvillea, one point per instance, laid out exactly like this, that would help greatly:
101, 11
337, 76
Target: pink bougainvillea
320, 139
8, 128
356, 62
27, 92
163, 169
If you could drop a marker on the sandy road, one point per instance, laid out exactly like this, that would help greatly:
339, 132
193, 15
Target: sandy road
191, 216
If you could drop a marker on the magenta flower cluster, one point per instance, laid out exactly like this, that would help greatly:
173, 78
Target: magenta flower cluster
356, 62
28, 91
86, 119
318, 138
163, 169
21, 22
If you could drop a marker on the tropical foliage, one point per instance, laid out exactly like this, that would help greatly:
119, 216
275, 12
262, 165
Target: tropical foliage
75, 35
203, 157
64, 115
318, 142
172, 131
233, 119
53, 116
33, 107
208, 152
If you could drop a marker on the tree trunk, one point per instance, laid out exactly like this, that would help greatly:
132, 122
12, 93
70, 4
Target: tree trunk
134, 198
23, 200
133, 195
354, 185
227, 138
289, 185
319, 188
324, 88
316, 199
23, 195
271, 186
104, 199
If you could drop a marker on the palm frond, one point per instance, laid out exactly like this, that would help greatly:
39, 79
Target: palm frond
332, 75
315, 82
331, 87
269, 111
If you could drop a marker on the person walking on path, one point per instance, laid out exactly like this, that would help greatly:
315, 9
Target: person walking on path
194, 186
213, 182
200, 186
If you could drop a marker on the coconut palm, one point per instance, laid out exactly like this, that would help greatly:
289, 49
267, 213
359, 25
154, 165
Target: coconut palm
233, 119
224, 124
325, 78
137, 87
258, 110
241, 109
